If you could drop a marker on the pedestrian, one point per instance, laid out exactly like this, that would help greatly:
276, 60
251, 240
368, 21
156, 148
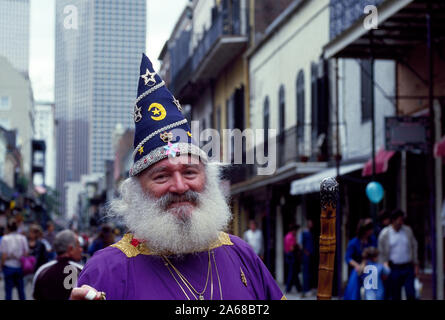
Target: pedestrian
48, 239
36, 247
292, 259
55, 279
176, 213
13, 246
104, 239
306, 242
374, 287
398, 250
364, 238
254, 237
384, 220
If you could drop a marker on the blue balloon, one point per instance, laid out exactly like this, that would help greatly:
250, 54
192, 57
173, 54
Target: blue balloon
374, 191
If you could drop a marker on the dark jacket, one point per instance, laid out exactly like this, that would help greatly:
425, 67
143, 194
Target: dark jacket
55, 280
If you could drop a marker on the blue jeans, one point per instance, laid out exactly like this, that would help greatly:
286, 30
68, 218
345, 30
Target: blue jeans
307, 277
13, 278
292, 272
401, 276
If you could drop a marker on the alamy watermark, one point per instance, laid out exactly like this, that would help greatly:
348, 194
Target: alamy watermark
371, 21
70, 281
371, 281
71, 18
232, 146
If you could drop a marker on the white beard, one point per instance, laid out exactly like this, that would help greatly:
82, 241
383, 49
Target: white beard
165, 232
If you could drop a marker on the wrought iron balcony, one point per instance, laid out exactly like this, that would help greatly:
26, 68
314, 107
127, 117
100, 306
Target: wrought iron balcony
219, 45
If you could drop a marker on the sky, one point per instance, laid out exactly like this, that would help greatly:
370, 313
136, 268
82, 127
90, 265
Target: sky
161, 18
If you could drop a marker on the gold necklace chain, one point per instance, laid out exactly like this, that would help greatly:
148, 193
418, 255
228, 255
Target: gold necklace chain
217, 274
168, 268
188, 284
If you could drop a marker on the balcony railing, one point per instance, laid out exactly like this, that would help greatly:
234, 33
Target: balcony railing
204, 53
216, 30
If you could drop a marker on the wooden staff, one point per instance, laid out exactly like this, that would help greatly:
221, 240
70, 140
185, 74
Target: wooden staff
328, 196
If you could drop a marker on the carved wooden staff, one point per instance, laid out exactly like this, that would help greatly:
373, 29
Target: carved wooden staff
329, 196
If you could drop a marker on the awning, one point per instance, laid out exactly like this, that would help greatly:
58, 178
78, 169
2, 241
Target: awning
401, 27
311, 183
439, 148
381, 162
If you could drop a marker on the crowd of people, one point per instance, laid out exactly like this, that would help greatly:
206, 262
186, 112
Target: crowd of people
299, 255
32, 256
382, 260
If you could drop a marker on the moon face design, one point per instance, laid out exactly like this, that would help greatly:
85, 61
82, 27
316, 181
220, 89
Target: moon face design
158, 111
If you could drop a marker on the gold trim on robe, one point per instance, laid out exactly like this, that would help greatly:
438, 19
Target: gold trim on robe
131, 251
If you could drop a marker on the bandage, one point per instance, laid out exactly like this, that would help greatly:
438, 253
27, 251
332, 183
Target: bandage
91, 295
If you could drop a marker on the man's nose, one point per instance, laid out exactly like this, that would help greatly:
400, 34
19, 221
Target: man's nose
178, 184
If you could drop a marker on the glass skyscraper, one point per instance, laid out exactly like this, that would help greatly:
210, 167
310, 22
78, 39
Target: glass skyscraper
14, 33
99, 44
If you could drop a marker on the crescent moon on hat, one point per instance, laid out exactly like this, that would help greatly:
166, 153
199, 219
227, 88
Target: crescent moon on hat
159, 112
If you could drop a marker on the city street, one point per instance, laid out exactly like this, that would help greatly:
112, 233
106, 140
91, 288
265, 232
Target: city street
310, 134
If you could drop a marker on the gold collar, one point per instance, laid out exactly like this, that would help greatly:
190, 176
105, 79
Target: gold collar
133, 249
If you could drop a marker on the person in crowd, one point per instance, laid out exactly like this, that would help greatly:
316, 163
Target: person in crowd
55, 279
384, 220
306, 242
48, 239
292, 258
365, 238
254, 237
50, 233
176, 212
104, 239
398, 250
13, 246
374, 288
353, 257
36, 247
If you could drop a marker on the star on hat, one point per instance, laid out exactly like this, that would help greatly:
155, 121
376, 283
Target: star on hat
149, 78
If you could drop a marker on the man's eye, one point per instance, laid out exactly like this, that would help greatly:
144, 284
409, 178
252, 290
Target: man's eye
160, 177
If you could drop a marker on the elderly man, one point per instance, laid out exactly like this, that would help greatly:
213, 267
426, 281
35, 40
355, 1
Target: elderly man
398, 250
55, 279
175, 213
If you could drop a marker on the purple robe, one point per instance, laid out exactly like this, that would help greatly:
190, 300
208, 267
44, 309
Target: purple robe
128, 271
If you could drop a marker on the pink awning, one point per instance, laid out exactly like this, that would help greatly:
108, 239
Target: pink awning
381, 162
439, 148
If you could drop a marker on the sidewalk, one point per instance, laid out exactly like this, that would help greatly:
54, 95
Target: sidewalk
294, 295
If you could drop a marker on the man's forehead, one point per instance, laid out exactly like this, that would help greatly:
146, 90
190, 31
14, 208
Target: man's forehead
180, 162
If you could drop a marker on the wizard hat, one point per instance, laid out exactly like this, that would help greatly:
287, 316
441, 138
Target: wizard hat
161, 130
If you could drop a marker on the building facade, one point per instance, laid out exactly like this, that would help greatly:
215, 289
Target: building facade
407, 39
45, 129
17, 110
98, 50
14, 38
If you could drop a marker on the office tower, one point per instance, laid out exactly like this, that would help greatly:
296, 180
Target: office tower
98, 50
14, 33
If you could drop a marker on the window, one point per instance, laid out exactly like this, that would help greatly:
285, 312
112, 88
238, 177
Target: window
314, 102
266, 116
281, 130
300, 111
5, 103
367, 88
